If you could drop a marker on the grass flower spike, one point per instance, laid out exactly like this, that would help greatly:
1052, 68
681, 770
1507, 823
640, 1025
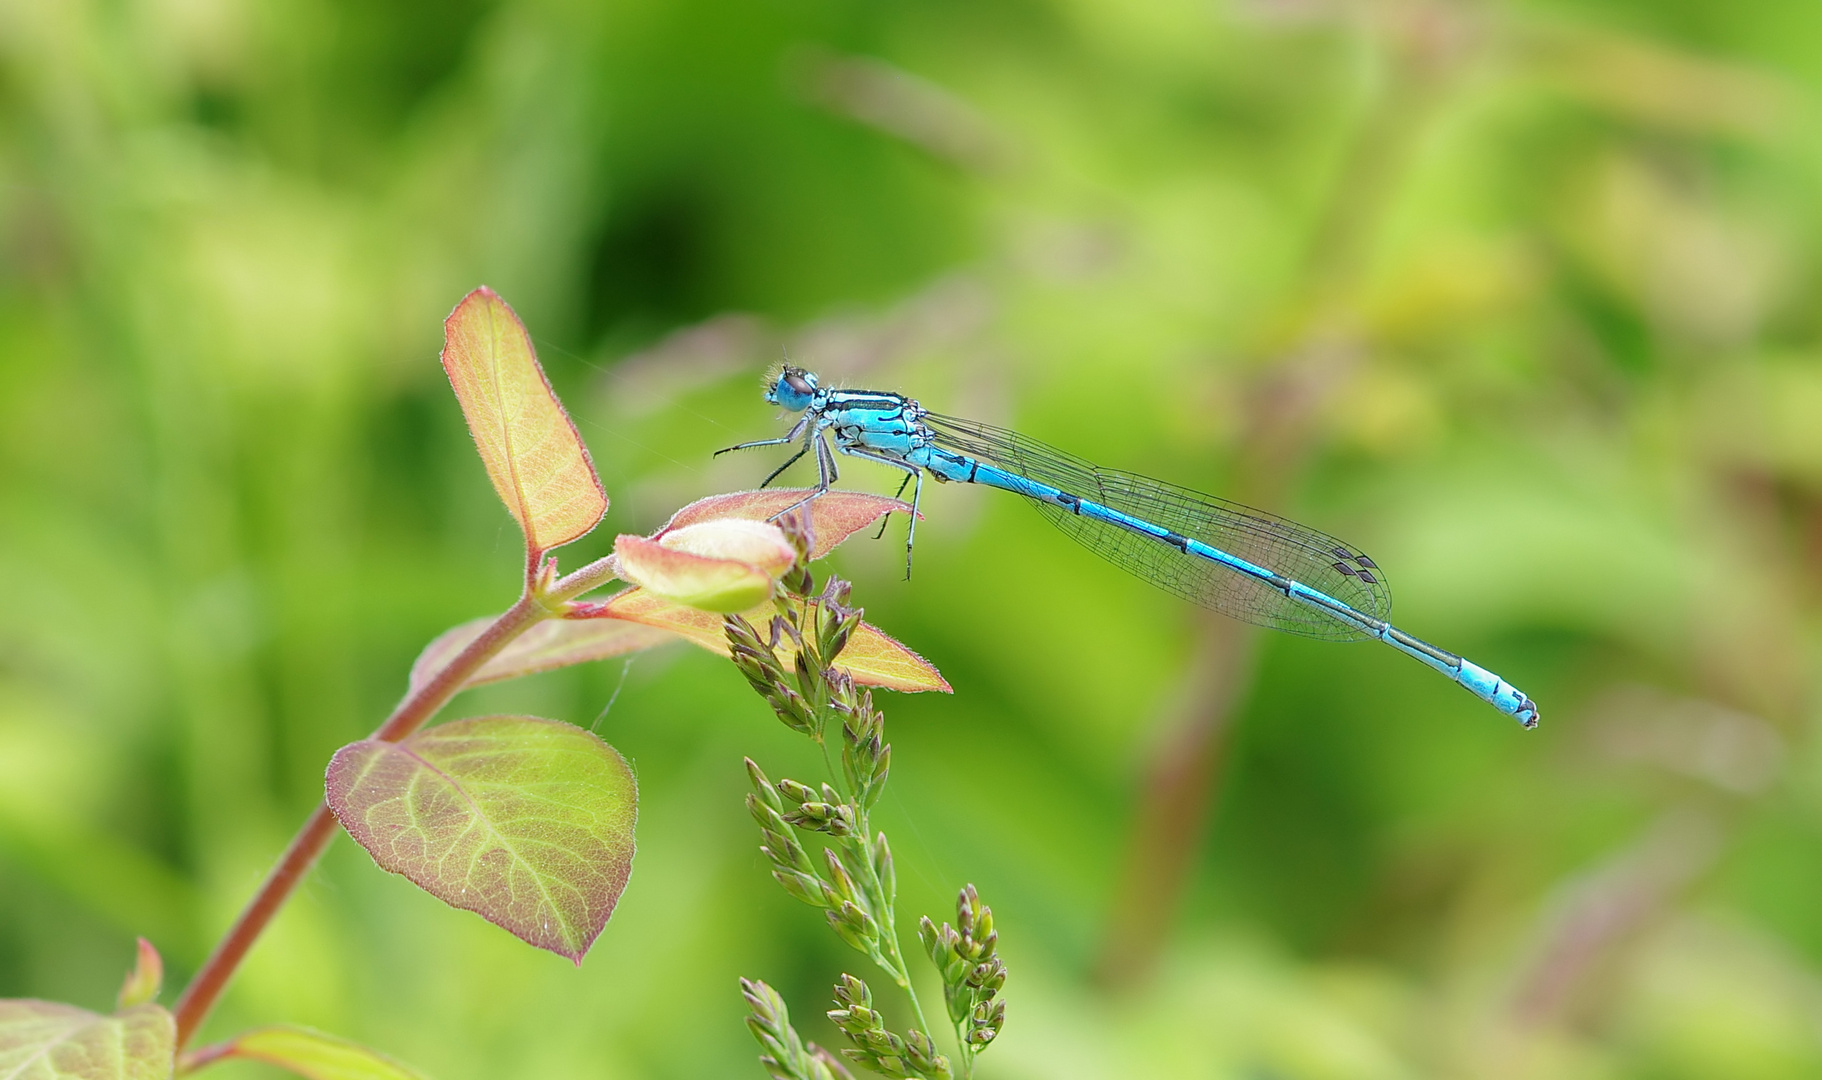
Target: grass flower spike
796, 661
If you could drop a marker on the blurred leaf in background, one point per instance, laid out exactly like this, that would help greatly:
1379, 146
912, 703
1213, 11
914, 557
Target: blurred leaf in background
1517, 295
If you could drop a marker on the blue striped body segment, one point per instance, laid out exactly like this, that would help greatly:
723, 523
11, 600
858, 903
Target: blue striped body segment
1242, 562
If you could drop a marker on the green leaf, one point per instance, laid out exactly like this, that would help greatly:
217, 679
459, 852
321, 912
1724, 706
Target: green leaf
532, 451
47, 1040
547, 646
526, 822
306, 1053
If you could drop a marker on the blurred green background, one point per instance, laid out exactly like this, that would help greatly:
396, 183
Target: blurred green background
1517, 296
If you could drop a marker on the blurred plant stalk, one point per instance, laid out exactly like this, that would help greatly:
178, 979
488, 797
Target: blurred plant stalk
1426, 44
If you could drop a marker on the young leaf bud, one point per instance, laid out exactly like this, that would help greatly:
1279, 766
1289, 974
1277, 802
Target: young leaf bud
764, 815
762, 786
803, 887
932, 941
921, 1055
853, 990
883, 867
796, 792
839, 877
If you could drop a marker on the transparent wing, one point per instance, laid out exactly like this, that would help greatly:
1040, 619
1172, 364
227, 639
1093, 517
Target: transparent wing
1284, 547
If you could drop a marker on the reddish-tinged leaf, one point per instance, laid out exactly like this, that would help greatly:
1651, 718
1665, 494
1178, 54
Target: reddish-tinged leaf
526, 822
531, 449
143, 982
834, 515
47, 1040
547, 646
307, 1053
871, 657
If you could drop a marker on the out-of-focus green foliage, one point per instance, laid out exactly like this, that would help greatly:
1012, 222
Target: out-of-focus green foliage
1519, 297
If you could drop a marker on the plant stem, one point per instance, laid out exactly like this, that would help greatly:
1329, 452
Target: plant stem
199, 997
208, 1055
1177, 796
828, 765
888, 908
575, 583
213, 977
904, 970
421, 706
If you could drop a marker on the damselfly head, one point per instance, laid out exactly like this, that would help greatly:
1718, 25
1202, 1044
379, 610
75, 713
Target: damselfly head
790, 387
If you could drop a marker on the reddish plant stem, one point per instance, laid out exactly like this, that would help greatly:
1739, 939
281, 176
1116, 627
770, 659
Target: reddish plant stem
419, 707
592, 576
201, 994
208, 1055
1177, 796
1173, 815
1181, 781
199, 997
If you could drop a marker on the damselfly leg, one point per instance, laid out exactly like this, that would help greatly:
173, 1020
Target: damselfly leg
899, 494
826, 473
912, 472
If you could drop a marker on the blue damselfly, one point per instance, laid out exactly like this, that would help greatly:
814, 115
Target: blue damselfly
1241, 562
